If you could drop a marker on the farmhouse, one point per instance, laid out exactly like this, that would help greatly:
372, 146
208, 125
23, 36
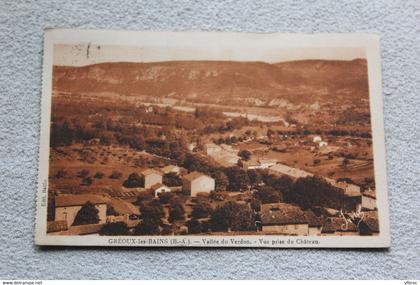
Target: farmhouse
294, 173
160, 188
196, 182
369, 200
151, 177
67, 207
282, 218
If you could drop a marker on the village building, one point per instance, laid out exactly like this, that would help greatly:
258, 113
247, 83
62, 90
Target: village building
196, 182
338, 226
160, 188
317, 139
151, 177
125, 212
67, 207
322, 144
283, 218
294, 173
369, 200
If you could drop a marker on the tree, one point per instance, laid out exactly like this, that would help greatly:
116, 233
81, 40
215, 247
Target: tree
194, 226
83, 173
232, 216
201, 210
87, 181
110, 211
143, 197
134, 180
114, 229
255, 176
171, 179
268, 194
88, 214
99, 175
244, 154
151, 216
221, 180
166, 197
115, 175
238, 179
176, 213
315, 191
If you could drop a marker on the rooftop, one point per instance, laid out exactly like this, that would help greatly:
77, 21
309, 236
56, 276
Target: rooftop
194, 175
79, 200
123, 207
151, 171
282, 214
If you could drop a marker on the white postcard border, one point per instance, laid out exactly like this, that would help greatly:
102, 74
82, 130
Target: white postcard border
214, 41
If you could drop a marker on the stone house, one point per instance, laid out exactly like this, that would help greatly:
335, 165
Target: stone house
151, 177
67, 207
196, 182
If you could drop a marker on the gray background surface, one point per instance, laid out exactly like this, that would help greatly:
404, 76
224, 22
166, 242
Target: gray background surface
21, 28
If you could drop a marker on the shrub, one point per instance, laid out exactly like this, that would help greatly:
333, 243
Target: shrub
114, 229
194, 226
99, 175
134, 180
115, 175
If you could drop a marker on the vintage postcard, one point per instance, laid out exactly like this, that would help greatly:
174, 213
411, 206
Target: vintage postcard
211, 140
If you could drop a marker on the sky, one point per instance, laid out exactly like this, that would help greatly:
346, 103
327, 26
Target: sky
86, 54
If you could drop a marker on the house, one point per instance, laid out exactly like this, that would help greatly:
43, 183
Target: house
125, 212
338, 226
317, 139
151, 177
160, 188
314, 222
67, 207
369, 200
171, 169
294, 173
283, 218
322, 144
196, 182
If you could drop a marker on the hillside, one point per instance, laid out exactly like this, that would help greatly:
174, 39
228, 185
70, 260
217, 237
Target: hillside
216, 81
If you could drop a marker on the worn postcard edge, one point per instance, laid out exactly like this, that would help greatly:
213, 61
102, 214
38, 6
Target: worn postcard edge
368, 41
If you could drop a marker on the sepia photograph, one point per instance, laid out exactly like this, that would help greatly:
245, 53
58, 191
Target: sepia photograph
211, 139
